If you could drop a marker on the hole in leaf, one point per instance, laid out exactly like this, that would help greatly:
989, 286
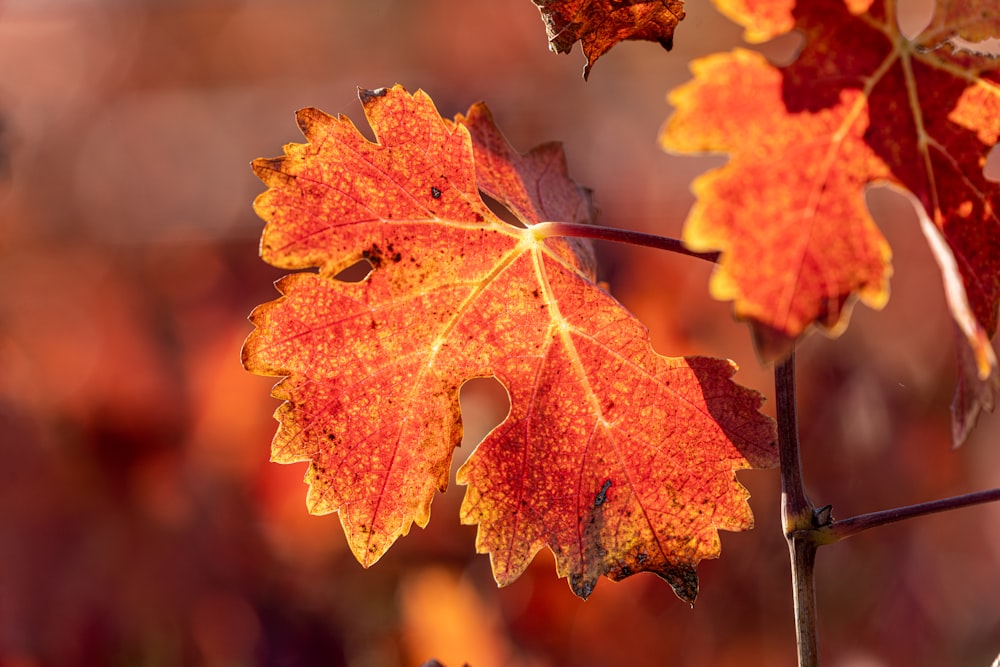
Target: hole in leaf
913, 16
356, 272
783, 49
991, 170
502, 211
988, 47
485, 404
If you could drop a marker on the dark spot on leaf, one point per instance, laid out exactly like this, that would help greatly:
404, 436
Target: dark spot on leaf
682, 579
435, 192
268, 164
331, 437
580, 586
373, 255
602, 495
369, 95
535, 293
393, 254
642, 557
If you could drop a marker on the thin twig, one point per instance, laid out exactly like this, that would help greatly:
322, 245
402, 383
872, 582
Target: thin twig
844, 528
580, 230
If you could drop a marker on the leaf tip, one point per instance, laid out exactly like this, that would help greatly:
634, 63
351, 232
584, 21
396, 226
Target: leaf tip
366, 96
309, 117
265, 168
683, 580
973, 391
582, 588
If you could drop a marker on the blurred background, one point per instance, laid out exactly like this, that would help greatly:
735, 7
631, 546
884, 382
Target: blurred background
140, 520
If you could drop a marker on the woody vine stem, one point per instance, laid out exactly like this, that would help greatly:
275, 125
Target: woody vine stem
806, 527
798, 515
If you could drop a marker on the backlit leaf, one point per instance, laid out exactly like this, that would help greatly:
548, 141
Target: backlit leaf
617, 459
860, 105
600, 24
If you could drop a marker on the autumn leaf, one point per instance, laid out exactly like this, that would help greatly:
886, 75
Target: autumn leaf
961, 24
762, 20
861, 105
600, 24
617, 459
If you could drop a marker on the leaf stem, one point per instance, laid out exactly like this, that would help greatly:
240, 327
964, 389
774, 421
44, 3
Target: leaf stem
798, 515
580, 230
845, 528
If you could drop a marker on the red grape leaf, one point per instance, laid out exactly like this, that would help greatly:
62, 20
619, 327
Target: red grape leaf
860, 105
762, 20
616, 458
600, 24
967, 21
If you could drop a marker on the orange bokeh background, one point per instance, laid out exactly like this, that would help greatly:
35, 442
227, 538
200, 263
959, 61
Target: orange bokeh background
140, 521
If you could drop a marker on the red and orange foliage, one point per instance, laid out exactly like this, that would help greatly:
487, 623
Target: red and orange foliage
600, 24
617, 459
142, 523
861, 104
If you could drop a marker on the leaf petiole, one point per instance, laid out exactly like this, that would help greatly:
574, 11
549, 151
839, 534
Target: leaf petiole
581, 230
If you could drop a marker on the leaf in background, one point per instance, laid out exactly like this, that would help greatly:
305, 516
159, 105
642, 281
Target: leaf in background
962, 24
861, 105
762, 20
616, 458
600, 24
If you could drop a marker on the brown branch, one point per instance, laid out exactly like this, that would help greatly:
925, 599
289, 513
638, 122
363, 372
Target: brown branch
798, 516
797, 510
839, 530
